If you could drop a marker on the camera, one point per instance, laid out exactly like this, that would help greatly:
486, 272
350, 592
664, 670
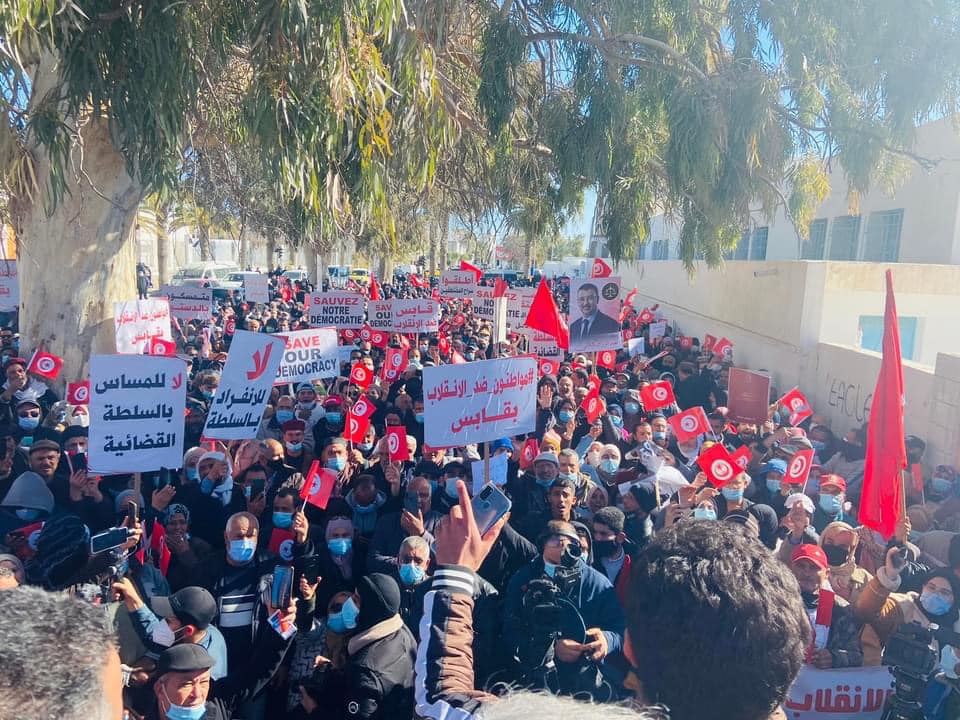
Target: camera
912, 655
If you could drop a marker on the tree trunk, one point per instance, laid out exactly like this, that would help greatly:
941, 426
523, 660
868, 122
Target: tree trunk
206, 251
271, 251
311, 254
443, 222
164, 249
432, 243
78, 261
244, 249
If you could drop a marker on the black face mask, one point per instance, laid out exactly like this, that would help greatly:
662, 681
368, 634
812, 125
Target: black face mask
604, 548
809, 599
836, 554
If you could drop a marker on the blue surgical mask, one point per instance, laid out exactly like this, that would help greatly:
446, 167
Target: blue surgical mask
450, 487
831, 504
28, 423
411, 574
336, 624
632, 408
207, 394
818, 445
609, 466
284, 415
193, 474
282, 519
418, 417
468, 356
773, 484
337, 463
206, 486
572, 477
941, 486
703, 513
550, 568
732, 495
934, 603
241, 551
294, 447
183, 712
27, 514
543, 482
339, 546
659, 435
616, 420
365, 446
350, 613
565, 416
334, 417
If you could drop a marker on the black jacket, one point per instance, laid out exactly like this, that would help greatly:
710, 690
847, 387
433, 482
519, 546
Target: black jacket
380, 675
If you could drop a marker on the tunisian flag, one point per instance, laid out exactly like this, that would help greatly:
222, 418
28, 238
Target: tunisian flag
600, 268
545, 317
881, 500
374, 288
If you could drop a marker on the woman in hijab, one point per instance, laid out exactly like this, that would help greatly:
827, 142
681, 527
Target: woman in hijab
839, 542
186, 550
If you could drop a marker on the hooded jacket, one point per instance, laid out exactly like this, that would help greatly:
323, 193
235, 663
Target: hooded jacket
29, 491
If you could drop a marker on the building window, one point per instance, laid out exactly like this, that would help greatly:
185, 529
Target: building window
882, 243
758, 244
742, 250
660, 250
871, 334
844, 236
817, 242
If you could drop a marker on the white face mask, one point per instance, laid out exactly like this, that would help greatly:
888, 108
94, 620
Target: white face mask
80, 420
163, 634
593, 458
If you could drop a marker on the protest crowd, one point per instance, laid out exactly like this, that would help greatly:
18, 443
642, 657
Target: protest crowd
452, 498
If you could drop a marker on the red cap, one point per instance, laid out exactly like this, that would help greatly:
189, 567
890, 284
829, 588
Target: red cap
833, 481
813, 553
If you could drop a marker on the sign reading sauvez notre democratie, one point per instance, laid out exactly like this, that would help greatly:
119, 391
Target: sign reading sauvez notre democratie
342, 310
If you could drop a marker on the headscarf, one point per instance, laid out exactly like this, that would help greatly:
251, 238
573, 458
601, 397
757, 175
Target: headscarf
840, 576
224, 490
63, 550
178, 509
948, 619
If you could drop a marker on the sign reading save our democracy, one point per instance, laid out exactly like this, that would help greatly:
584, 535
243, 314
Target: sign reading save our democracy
479, 401
342, 310
309, 355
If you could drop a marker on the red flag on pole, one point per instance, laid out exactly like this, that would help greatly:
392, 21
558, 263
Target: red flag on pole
545, 317
464, 265
882, 496
45, 364
690, 423
600, 269
657, 395
374, 288
318, 485
499, 288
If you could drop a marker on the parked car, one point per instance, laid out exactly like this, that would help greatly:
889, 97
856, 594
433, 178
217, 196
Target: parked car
205, 274
296, 275
360, 275
233, 281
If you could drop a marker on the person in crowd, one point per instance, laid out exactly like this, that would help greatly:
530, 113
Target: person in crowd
612, 549
839, 542
392, 528
830, 507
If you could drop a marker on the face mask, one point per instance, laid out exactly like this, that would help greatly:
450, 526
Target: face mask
365, 447
28, 423
550, 569
450, 487
732, 495
339, 546
365, 509
27, 513
543, 482
593, 458
572, 477
336, 624
818, 445
248, 492
773, 484
284, 416
934, 603
241, 551
703, 513
80, 420
565, 415
468, 356
836, 554
350, 612
206, 486
308, 405
294, 447
163, 634
659, 435
831, 504
632, 408
334, 418
616, 420
207, 394
193, 474
282, 519
418, 417
183, 712
604, 548
609, 466
411, 574
337, 463
941, 486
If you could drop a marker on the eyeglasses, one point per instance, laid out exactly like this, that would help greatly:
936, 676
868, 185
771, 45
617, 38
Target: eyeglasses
557, 541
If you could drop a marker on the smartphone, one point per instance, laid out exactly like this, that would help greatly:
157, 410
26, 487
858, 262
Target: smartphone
257, 487
132, 515
109, 539
78, 461
489, 505
411, 503
310, 568
281, 589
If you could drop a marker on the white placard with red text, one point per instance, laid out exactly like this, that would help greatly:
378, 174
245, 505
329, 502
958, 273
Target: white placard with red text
519, 301
188, 303
9, 286
458, 283
380, 315
256, 288
542, 345
309, 355
136, 413
342, 310
479, 401
848, 694
136, 322
416, 316
245, 386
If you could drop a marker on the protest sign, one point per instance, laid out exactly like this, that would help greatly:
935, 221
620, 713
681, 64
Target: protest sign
635, 346
380, 315
309, 355
245, 385
842, 694
336, 309
542, 345
9, 286
458, 283
594, 307
188, 303
498, 472
136, 322
256, 288
478, 401
748, 396
485, 304
416, 316
519, 301
658, 330
136, 413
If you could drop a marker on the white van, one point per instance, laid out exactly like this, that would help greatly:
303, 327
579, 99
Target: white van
205, 274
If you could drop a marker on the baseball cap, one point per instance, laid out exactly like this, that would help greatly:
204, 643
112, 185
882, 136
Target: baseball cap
191, 606
795, 498
813, 553
833, 481
547, 457
186, 657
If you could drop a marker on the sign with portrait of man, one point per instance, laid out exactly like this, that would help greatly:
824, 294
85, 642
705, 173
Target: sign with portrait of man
594, 308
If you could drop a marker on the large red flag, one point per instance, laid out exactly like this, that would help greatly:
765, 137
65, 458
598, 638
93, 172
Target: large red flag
545, 317
881, 500
374, 288
600, 268
464, 265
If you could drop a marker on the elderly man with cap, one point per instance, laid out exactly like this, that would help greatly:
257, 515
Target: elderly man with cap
308, 409
45, 459
830, 506
836, 633
295, 452
184, 617
185, 690
531, 496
